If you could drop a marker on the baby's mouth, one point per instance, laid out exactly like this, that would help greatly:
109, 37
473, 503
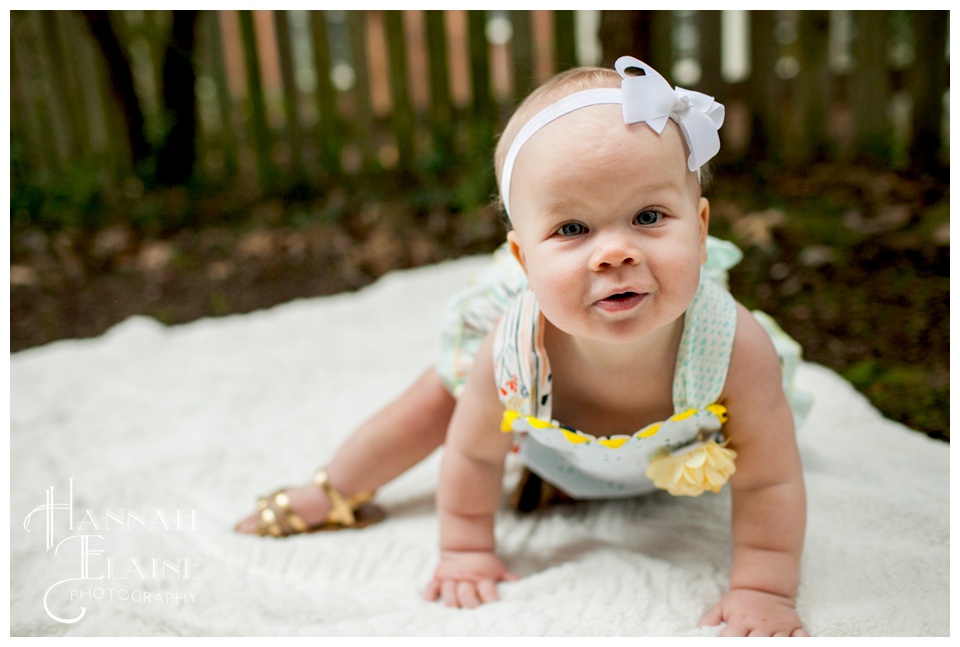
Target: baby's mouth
620, 301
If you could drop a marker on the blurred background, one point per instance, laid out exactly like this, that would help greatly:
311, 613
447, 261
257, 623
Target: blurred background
183, 164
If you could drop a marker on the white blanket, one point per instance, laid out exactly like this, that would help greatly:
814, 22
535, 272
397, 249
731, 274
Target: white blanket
166, 435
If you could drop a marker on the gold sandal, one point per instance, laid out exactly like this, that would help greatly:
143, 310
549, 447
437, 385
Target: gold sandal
277, 519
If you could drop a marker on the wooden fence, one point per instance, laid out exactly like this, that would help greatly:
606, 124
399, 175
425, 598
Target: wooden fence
286, 98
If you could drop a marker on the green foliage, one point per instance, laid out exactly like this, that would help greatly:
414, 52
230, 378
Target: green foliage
853, 263
906, 393
75, 200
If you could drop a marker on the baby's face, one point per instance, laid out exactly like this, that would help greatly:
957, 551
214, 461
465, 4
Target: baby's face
608, 224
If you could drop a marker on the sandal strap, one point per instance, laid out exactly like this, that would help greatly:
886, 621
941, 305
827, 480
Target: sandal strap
267, 523
341, 507
277, 518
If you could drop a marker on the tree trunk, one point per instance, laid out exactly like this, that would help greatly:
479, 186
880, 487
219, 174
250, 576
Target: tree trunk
177, 156
121, 83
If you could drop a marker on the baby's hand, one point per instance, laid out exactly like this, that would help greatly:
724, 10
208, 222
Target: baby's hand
755, 613
468, 579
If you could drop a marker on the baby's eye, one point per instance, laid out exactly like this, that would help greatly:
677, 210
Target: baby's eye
648, 217
572, 229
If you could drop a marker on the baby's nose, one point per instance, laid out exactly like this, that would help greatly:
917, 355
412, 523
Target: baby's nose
614, 251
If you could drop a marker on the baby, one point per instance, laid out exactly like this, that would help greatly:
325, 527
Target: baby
602, 347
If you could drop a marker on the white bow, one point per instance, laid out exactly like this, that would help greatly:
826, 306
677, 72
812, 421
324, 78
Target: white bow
649, 98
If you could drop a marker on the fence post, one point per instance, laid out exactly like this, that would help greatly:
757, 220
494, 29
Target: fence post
51, 75
210, 23
356, 21
522, 44
711, 78
870, 86
441, 107
930, 78
294, 135
328, 135
564, 41
401, 118
624, 33
102, 145
482, 114
764, 87
661, 42
815, 87
64, 76
22, 93
258, 112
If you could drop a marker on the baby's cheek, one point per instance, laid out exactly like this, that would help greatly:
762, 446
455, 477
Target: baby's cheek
554, 287
684, 289
552, 290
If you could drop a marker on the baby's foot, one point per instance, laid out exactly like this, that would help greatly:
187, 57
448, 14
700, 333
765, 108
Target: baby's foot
316, 506
307, 501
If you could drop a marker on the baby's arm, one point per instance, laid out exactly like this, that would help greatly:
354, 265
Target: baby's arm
469, 491
769, 500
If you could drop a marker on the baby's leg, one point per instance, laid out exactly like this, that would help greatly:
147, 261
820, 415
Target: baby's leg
398, 437
389, 443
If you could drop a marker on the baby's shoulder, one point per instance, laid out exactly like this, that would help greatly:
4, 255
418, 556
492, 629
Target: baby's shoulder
754, 363
753, 393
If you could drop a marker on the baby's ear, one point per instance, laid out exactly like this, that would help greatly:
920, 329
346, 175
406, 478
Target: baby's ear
514, 242
704, 228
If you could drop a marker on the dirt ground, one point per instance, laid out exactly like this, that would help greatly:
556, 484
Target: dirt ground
852, 262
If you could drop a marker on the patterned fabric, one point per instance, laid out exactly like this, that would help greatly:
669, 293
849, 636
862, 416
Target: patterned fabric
473, 313
704, 354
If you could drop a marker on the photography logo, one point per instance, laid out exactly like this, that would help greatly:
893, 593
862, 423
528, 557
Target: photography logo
84, 543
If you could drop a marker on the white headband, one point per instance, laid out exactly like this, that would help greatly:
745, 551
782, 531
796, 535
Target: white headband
647, 98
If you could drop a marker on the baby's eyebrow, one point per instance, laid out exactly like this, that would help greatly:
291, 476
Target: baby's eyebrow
556, 210
663, 184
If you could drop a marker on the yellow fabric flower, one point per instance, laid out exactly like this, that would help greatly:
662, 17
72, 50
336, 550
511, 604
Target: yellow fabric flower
707, 466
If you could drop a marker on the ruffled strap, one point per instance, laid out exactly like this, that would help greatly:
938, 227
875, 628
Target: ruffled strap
721, 256
705, 348
521, 367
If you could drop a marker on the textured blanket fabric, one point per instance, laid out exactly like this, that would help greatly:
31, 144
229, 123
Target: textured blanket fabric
152, 442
